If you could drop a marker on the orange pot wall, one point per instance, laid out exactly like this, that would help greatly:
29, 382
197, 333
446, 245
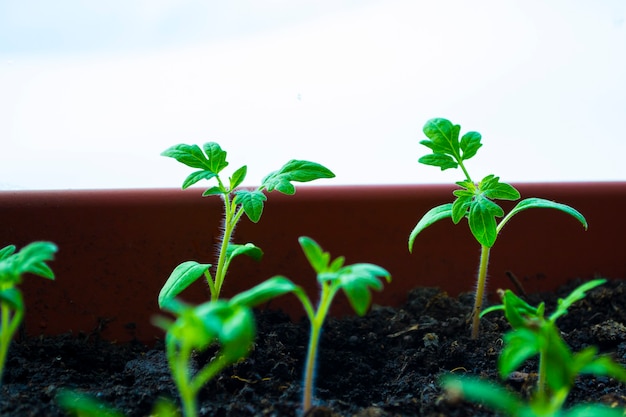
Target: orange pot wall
117, 248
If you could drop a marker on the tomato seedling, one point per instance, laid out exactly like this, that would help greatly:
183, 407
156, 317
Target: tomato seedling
31, 259
355, 280
474, 201
209, 162
229, 323
534, 334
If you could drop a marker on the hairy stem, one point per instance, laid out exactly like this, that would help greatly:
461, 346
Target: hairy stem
480, 290
231, 217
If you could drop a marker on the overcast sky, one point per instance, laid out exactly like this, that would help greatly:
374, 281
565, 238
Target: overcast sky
92, 92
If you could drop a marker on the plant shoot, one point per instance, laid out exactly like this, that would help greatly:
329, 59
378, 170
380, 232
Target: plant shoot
474, 200
209, 162
532, 335
31, 259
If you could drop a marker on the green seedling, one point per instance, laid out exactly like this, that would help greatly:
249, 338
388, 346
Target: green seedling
209, 162
196, 328
533, 334
502, 400
474, 201
80, 404
31, 259
355, 280
227, 323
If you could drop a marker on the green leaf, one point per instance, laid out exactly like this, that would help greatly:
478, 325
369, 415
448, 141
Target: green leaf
518, 312
542, 203
217, 190
491, 187
439, 160
190, 155
578, 294
469, 189
460, 208
238, 177
198, 326
294, 170
30, 259
357, 280
433, 215
84, 405
592, 410
561, 368
252, 203
443, 135
479, 391
470, 143
216, 157
7, 251
249, 249
231, 324
164, 408
482, 220
196, 176
181, 277
520, 345
604, 366
491, 309
265, 291
13, 298
33, 256
318, 259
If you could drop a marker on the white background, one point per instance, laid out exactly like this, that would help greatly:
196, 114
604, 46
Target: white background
92, 92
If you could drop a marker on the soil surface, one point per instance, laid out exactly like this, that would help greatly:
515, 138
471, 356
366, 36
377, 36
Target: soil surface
384, 364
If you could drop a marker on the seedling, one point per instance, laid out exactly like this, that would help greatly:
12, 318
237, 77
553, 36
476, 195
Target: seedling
210, 161
80, 404
31, 259
196, 328
474, 201
230, 323
355, 281
533, 334
501, 400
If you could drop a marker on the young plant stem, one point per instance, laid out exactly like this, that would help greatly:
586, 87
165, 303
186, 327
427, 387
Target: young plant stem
541, 377
480, 290
309, 370
9, 326
189, 385
5, 337
182, 379
317, 321
230, 221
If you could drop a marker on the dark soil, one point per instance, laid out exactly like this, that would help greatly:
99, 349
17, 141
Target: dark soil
384, 364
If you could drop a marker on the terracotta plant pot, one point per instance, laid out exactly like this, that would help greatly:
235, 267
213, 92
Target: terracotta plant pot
117, 247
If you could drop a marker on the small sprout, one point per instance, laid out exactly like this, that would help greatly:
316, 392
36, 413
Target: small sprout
355, 280
79, 404
196, 328
210, 161
533, 334
31, 259
474, 200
